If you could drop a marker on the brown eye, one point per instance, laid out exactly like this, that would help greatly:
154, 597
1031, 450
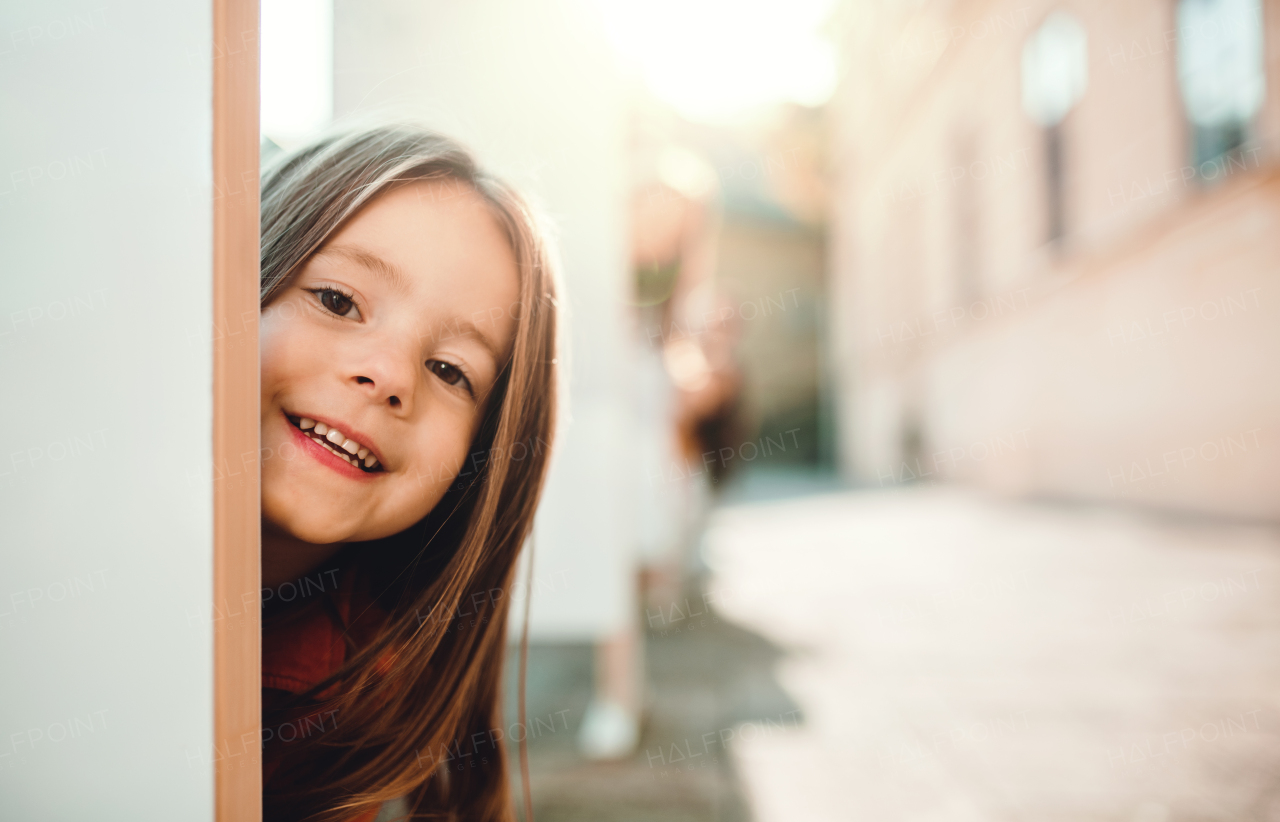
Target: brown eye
336, 301
451, 375
444, 371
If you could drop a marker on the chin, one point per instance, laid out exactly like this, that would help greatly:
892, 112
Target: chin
307, 526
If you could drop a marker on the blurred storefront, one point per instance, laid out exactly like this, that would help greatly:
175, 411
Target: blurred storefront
1054, 239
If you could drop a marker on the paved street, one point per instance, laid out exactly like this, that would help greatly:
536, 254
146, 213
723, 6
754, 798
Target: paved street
958, 659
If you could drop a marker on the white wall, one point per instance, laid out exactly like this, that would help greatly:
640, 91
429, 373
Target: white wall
105, 363
531, 89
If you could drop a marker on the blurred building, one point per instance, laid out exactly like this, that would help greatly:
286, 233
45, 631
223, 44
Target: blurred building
1055, 238
772, 256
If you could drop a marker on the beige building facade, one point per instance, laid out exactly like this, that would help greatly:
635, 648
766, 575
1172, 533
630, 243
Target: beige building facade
1074, 304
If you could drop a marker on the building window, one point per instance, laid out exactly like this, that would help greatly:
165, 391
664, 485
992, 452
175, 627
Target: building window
1055, 74
1220, 72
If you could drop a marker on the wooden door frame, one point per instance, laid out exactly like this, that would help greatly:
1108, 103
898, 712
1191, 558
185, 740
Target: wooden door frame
237, 706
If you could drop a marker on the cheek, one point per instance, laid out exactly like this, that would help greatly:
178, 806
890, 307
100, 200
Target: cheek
273, 332
276, 319
444, 448
440, 456
285, 346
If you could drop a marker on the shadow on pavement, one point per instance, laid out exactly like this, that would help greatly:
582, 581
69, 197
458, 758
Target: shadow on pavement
705, 676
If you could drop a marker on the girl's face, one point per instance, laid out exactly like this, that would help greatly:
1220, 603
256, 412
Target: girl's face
384, 348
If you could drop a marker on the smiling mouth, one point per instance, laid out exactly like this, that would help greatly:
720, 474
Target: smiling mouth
337, 442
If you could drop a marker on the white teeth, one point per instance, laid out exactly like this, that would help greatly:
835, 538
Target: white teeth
350, 450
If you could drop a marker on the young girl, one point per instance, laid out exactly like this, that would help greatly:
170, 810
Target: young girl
408, 344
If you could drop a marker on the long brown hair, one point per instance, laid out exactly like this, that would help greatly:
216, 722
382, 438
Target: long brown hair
419, 687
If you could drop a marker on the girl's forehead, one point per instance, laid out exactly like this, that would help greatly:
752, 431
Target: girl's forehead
430, 228
437, 246
440, 199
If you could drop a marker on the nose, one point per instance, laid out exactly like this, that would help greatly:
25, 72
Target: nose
386, 378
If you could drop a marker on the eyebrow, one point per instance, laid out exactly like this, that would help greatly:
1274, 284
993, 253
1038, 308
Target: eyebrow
465, 328
388, 272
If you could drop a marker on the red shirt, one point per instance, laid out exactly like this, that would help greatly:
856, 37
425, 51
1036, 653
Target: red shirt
303, 646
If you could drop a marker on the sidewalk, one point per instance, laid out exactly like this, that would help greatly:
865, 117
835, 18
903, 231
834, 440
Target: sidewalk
957, 659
